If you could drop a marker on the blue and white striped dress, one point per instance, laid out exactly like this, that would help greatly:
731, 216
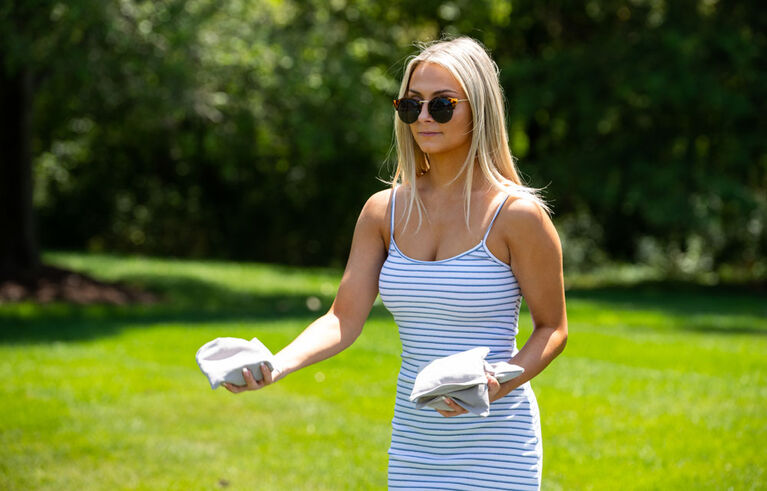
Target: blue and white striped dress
444, 307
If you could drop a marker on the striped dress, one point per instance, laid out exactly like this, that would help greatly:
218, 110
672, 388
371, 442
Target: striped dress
444, 307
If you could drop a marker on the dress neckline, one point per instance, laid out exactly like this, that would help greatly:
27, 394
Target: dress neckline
482, 243
436, 261
481, 246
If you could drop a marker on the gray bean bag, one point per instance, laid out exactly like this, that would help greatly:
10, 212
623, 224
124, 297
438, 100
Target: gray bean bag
462, 378
223, 359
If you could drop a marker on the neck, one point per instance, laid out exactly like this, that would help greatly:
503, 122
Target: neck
443, 169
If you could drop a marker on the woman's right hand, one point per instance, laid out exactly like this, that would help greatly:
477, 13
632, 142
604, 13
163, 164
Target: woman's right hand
250, 381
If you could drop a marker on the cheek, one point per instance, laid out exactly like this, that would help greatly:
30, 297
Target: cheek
464, 123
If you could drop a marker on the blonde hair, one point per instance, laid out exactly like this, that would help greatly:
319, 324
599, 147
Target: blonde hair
469, 62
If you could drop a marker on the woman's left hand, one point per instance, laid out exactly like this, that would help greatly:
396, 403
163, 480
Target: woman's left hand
493, 387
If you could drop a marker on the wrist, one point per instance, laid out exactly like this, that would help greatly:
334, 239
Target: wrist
280, 367
504, 390
277, 371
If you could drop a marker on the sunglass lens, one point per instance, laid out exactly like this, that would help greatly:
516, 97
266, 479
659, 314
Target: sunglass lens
441, 109
408, 110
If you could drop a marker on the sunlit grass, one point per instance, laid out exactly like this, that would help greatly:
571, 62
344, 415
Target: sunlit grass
659, 388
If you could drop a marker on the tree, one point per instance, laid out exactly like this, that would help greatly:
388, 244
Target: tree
234, 129
19, 250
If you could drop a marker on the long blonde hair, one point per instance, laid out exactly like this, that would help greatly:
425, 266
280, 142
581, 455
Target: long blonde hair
470, 63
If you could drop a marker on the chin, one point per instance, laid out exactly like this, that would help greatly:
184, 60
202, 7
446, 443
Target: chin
436, 149
430, 147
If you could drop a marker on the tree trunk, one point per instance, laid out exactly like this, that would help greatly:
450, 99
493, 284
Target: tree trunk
19, 253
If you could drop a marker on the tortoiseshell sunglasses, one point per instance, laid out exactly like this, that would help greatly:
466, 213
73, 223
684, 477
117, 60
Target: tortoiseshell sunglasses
440, 108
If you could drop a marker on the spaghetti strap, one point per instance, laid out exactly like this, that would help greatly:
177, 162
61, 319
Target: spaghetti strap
497, 211
391, 225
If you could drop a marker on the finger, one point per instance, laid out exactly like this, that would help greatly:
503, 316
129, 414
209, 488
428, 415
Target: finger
445, 412
266, 373
234, 389
492, 384
454, 405
448, 413
250, 381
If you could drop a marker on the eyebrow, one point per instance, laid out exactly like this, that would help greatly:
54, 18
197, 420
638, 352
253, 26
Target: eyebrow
441, 91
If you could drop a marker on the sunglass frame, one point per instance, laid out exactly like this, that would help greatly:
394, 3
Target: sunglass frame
447, 110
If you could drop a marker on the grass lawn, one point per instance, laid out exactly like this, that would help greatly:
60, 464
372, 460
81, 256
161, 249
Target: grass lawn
660, 387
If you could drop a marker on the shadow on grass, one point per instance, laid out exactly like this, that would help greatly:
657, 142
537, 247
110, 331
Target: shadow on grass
715, 309
192, 301
189, 301
677, 297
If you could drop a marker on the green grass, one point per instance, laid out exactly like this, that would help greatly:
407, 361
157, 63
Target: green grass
660, 387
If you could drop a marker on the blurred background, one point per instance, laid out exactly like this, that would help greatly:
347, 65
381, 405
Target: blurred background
256, 130
173, 171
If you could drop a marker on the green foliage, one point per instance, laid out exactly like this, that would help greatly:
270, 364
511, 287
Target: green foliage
257, 129
658, 388
649, 121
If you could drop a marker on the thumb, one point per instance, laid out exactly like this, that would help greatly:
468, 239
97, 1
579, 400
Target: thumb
492, 383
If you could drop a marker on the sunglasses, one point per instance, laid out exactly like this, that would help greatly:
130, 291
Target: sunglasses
440, 108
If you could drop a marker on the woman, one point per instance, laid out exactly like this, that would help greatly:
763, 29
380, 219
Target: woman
451, 248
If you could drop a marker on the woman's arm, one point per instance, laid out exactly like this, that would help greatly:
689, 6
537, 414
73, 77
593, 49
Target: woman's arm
342, 324
536, 259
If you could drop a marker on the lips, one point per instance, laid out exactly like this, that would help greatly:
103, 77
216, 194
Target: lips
428, 133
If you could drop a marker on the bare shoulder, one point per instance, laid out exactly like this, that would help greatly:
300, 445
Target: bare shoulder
373, 217
525, 222
524, 212
379, 201
376, 206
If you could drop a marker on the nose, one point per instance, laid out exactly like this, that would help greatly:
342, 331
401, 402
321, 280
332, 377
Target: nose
424, 115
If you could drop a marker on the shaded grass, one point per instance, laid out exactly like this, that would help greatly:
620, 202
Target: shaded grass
659, 388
